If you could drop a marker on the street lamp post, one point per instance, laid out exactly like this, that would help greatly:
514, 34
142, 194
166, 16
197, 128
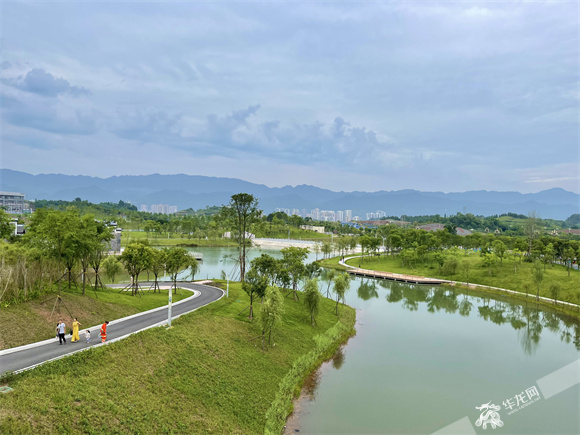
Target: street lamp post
169, 310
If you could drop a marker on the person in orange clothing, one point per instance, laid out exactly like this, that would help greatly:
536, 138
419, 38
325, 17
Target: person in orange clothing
104, 332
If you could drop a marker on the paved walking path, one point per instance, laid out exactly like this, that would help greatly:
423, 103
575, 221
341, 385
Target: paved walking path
31, 355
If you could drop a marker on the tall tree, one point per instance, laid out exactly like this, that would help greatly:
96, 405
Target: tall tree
341, 285
111, 266
136, 258
271, 313
156, 266
531, 230
241, 214
255, 286
538, 277
193, 267
293, 258
6, 228
175, 260
312, 299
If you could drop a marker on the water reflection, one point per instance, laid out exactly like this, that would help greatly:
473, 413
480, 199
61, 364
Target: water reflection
338, 358
528, 320
367, 289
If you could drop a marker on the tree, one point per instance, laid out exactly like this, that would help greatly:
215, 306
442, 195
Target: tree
271, 313
568, 258
156, 266
326, 248
175, 260
538, 276
341, 286
329, 274
312, 299
499, 249
531, 230
51, 231
193, 267
254, 285
111, 266
241, 214
555, 291
293, 259
548, 254
267, 266
136, 258
466, 265
6, 229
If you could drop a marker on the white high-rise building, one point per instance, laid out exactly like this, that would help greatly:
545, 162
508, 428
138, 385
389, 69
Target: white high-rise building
348, 215
340, 216
144, 208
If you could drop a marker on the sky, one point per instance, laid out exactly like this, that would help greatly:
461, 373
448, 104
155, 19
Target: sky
433, 96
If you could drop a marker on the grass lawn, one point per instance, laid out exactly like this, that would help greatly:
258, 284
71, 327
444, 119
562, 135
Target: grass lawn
204, 375
497, 276
174, 240
31, 321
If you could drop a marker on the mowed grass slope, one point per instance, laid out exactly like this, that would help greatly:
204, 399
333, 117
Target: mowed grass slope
502, 276
31, 321
205, 375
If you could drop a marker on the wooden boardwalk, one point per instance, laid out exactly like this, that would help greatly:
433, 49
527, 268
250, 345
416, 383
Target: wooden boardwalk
411, 279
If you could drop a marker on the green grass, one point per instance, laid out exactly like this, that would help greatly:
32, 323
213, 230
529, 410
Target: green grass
204, 375
31, 321
173, 240
502, 276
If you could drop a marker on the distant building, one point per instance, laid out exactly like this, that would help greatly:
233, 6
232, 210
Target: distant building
437, 227
313, 228
348, 215
12, 202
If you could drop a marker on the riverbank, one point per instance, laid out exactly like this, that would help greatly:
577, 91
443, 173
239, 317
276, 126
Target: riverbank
500, 283
206, 374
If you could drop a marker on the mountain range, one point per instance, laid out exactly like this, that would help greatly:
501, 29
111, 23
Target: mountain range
195, 191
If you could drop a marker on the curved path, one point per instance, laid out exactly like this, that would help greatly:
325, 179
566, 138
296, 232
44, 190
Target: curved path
31, 355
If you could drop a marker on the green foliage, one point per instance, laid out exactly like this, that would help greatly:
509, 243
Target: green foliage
312, 298
537, 276
112, 267
341, 286
271, 313
6, 228
136, 258
240, 215
293, 261
176, 259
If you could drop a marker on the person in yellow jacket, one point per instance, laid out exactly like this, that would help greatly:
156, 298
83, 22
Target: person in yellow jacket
75, 330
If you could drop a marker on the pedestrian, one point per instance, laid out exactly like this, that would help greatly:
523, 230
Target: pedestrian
75, 330
103, 332
88, 336
61, 329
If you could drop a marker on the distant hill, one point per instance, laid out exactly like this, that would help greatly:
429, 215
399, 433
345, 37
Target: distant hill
194, 191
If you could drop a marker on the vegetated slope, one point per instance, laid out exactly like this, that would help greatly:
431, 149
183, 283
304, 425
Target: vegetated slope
205, 375
32, 321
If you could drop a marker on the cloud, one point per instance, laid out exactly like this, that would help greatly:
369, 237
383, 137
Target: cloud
49, 116
38, 81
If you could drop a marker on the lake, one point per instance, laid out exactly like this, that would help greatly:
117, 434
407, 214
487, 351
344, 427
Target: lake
425, 357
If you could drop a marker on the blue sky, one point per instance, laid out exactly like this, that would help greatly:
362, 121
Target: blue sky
447, 96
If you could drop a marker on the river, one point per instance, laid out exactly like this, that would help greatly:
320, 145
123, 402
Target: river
424, 357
